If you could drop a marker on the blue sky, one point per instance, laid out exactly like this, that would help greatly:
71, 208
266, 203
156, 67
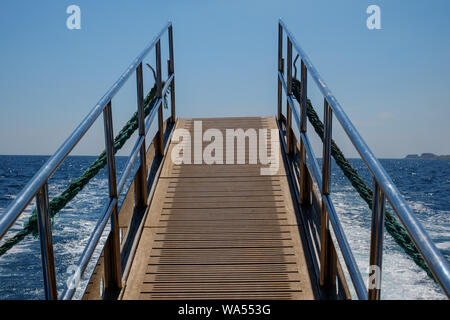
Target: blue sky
393, 83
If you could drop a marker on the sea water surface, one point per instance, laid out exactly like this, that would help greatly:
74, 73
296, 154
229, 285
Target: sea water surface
425, 185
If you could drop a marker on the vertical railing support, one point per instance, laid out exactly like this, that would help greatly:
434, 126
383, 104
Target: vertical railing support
171, 70
280, 70
376, 242
326, 255
305, 197
160, 137
113, 273
304, 97
289, 147
46, 241
141, 175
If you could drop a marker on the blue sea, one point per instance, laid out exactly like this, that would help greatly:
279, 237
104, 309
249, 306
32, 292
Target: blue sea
425, 185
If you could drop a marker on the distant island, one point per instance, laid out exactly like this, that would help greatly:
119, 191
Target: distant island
431, 156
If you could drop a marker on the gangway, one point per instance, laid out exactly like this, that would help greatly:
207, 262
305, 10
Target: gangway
221, 231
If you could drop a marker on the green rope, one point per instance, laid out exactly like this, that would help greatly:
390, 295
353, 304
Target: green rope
77, 185
395, 229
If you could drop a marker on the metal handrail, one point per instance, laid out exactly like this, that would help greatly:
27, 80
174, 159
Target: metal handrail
38, 184
29, 191
89, 249
347, 254
433, 257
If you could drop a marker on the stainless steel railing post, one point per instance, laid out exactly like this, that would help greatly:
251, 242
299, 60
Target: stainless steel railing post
46, 241
325, 263
376, 242
305, 197
141, 181
171, 72
289, 93
113, 273
280, 70
160, 138
304, 97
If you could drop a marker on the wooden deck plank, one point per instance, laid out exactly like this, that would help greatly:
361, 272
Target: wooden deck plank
220, 231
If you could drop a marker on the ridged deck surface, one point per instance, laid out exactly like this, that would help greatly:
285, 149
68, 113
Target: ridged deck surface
220, 231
